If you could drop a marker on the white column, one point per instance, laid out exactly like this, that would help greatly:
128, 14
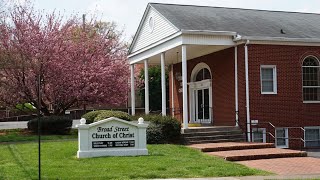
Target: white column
133, 98
172, 89
146, 87
236, 84
247, 90
184, 87
163, 85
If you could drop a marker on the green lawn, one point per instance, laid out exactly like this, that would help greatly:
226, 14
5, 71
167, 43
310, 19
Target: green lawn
19, 161
20, 135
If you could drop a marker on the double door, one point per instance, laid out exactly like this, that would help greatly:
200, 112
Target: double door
203, 109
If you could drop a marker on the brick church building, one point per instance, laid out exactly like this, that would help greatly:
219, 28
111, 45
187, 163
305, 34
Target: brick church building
256, 69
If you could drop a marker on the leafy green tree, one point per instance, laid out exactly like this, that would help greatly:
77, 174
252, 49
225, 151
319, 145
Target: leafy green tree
154, 87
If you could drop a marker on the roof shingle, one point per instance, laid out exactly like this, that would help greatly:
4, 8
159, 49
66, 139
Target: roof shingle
246, 22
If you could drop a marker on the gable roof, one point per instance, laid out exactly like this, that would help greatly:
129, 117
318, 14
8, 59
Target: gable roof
246, 22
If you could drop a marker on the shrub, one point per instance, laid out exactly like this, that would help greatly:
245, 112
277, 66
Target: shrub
162, 129
51, 125
107, 114
154, 134
91, 115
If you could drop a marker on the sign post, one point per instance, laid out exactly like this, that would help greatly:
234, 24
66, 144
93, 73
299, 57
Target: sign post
112, 137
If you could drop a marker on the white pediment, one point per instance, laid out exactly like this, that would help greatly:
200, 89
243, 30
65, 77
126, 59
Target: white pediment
153, 28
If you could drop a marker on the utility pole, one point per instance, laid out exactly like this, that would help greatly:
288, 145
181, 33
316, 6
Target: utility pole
84, 30
84, 22
39, 124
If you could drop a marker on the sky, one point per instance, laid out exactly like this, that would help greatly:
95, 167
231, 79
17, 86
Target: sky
128, 13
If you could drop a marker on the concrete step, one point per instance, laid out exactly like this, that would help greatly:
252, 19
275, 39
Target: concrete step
228, 146
254, 154
210, 133
208, 129
214, 137
240, 139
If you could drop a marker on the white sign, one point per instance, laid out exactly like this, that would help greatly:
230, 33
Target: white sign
112, 137
253, 122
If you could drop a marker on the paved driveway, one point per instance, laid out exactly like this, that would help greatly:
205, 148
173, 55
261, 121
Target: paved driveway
23, 124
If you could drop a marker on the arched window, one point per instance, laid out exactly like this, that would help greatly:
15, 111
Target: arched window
200, 72
203, 74
311, 79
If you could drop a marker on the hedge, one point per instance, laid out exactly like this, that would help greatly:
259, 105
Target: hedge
51, 125
162, 129
109, 113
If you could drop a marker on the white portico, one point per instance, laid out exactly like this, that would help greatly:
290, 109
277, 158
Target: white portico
160, 41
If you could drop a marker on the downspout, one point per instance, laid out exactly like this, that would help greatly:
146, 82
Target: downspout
236, 84
247, 90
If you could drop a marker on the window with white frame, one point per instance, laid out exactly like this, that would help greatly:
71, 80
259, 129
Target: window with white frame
311, 79
312, 136
268, 75
282, 136
259, 135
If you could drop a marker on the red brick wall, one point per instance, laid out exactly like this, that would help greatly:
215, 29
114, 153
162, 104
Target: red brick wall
241, 88
286, 108
222, 69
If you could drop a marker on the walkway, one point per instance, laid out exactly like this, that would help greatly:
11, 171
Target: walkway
287, 166
265, 157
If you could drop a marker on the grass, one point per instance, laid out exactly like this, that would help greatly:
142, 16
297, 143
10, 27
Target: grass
19, 161
20, 135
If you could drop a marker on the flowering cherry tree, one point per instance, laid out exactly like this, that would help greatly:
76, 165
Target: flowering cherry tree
75, 62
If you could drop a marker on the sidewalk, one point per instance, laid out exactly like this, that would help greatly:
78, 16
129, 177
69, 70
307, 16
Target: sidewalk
296, 177
23, 124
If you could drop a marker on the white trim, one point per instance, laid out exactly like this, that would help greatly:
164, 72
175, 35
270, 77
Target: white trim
311, 56
209, 32
314, 57
311, 102
135, 37
197, 68
207, 39
168, 43
164, 40
280, 39
275, 88
178, 39
139, 28
199, 85
286, 138
194, 87
282, 43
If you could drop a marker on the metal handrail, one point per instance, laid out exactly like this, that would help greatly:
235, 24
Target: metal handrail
274, 127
